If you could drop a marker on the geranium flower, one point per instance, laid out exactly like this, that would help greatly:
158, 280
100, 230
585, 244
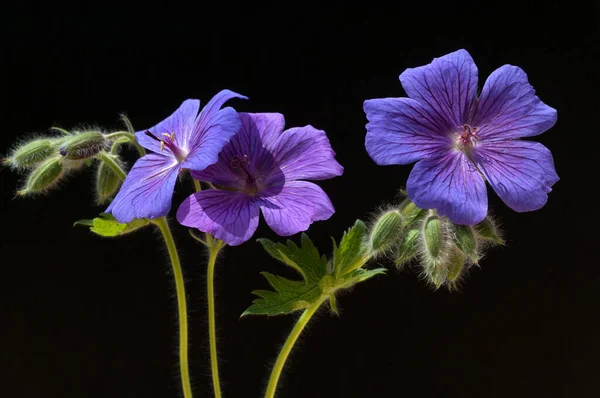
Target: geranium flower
460, 140
184, 140
260, 169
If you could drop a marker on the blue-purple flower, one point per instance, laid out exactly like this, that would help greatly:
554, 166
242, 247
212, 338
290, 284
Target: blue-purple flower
184, 140
459, 140
260, 169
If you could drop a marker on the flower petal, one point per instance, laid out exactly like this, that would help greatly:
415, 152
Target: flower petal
181, 122
521, 172
229, 216
401, 131
448, 86
508, 107
451, 184
147, 190
257, 131
295, 207
305, 153
213, 131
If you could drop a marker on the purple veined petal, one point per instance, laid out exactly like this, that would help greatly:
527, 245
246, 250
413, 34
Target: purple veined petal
148, 189
448, 86
295, 207
508, 107
229, 216
451, 184
305, 153
521, 172
402, 131
257, 131
213, 130
181, 122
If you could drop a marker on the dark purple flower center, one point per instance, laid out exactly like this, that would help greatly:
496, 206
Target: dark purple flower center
240, 163
467, 138
168, 141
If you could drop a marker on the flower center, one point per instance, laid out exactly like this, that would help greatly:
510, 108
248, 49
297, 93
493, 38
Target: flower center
168, 140
467, 138
239, 163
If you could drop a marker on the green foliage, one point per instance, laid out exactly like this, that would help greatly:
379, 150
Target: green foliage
321, 278
106, 225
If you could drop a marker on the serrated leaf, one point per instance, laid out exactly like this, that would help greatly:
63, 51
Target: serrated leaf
350, 252
106, 225
288, 296
318, 282
304, 259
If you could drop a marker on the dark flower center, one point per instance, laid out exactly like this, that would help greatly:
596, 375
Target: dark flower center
168, 140
467, 138
240, 163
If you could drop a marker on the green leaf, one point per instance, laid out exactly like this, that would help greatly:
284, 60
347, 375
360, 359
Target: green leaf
304, 259
350, 252
320, 280
288, 296
107, 225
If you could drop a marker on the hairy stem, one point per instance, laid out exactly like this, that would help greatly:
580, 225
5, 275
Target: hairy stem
215, 246
132, 140
162, 224
289, 344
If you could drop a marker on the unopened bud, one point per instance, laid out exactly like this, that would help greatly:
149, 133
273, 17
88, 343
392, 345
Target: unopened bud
107, 182
456, 265
386, 231
31, 154
83, 145
410, 212
408, 247
489, 231
466, 241
44, 176
435, 248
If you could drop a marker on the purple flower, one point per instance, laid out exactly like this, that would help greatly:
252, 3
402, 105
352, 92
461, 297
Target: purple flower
184, 140
260, 169
460, 140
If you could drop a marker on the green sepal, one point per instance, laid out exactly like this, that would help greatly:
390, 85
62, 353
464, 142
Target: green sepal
106, 225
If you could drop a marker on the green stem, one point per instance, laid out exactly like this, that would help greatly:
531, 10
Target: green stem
131, 138
110, 162
162, 224
215, 246
289, 344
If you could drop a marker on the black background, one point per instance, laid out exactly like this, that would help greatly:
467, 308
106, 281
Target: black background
88, 317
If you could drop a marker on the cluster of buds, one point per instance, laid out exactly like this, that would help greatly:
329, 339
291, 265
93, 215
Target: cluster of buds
47, 160
443, 250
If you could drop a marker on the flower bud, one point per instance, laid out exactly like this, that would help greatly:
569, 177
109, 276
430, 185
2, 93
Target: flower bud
410, 212
435, 247
466, 241
408, 247
456, 266
489, 231
107, 182
83, 145
32, 153
386, 231
44, 176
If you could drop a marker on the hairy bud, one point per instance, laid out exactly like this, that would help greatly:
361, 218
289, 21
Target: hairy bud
386, 231
466, 240
435, 247
107, 182
83, 145
44, 177
31, 154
